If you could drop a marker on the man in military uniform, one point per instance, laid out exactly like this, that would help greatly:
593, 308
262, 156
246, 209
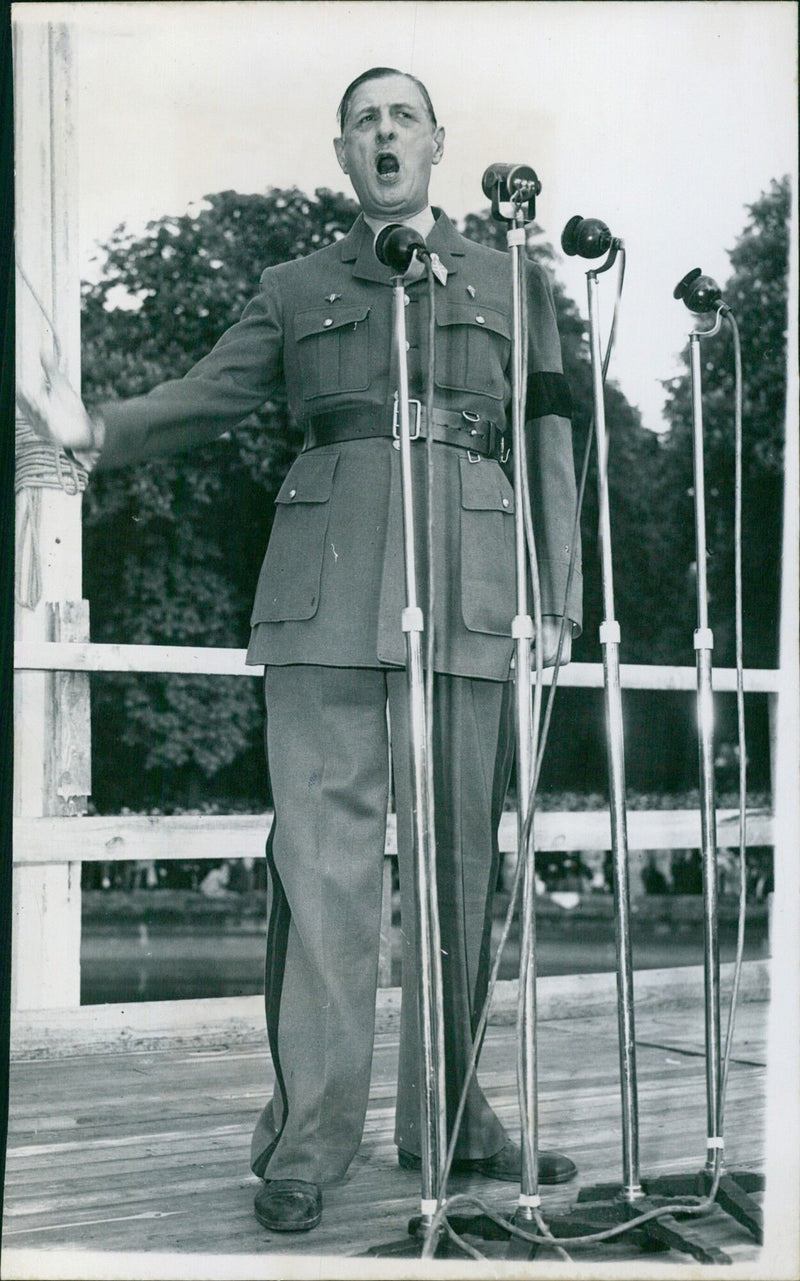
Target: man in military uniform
326, 628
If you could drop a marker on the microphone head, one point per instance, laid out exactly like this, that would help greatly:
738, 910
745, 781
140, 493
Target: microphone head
587, 237
700, 293
509, 179
396, 244
569, 239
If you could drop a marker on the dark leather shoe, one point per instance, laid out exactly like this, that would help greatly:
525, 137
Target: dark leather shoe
505, 1165
288, 1205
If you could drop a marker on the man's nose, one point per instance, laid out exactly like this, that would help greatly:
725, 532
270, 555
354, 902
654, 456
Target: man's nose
386, 128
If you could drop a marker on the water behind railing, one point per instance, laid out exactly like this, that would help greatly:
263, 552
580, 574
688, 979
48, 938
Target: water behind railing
131, 954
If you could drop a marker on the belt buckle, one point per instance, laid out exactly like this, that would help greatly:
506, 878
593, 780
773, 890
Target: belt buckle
416, 431
471, 416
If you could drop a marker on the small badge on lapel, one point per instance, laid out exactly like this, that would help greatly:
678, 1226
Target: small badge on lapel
439, 270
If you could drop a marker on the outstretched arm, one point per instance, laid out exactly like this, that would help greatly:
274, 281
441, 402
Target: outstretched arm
235, 378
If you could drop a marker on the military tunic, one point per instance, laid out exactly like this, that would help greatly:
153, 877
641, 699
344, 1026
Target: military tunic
332, 587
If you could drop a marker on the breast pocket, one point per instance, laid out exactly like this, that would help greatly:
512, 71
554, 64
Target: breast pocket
333, 350
488, 591
472, 349
289, 582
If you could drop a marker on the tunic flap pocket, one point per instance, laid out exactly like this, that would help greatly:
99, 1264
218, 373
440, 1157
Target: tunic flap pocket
289, 583
484, 488
462, 313
323, 320
310, 479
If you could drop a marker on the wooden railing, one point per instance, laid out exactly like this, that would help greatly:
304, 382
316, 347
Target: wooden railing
49, 851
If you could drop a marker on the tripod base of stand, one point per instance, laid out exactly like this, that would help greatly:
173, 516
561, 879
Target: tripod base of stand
732, 1195
411, 1246
474, 1225
601, 1208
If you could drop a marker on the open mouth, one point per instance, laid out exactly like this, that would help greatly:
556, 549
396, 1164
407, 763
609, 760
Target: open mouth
387, 164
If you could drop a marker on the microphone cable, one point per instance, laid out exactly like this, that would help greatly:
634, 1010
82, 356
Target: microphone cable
740, 717
429, 510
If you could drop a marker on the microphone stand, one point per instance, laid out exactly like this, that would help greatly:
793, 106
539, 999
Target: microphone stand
631, 1189
522, 631
513, 195
431, 1012
432, 1100
732, 1188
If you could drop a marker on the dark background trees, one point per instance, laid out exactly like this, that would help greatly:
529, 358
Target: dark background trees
173, 548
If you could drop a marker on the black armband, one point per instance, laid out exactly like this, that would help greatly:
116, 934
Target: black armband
548, 394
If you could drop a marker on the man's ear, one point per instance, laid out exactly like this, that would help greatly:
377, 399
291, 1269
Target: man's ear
338, 146
438, 145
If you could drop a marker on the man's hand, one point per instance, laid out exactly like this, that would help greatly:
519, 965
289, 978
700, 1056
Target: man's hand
551, 630
56, 412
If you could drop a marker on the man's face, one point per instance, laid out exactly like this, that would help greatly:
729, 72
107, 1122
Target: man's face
387, 147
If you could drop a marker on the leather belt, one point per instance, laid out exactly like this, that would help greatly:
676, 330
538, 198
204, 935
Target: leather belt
450, 427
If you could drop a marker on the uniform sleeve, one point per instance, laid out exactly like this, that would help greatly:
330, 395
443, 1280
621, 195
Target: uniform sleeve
235, 378
551, 468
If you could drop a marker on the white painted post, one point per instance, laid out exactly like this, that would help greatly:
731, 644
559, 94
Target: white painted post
46, 900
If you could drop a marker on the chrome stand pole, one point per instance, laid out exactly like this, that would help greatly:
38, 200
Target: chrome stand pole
631, 1189
704, 644
431, 1017
732, 1189
522, 631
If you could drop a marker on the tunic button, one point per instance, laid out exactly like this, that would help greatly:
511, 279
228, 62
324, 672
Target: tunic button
406, 299
481, 320
505, 502
292, 493
328, 322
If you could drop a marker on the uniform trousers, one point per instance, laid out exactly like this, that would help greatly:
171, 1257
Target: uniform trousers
328, 754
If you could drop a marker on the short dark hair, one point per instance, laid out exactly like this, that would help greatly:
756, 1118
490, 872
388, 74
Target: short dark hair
380, 73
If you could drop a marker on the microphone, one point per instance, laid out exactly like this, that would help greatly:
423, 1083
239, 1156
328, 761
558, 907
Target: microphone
587, 237
396, 245
507, 181
700, 293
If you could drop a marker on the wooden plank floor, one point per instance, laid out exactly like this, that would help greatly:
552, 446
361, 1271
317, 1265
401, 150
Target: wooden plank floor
148, 1151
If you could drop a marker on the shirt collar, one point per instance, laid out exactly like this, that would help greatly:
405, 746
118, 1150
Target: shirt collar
423, 222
